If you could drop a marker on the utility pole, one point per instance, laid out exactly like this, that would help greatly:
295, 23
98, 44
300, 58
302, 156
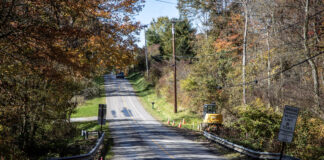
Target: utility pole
145, 50
175, 69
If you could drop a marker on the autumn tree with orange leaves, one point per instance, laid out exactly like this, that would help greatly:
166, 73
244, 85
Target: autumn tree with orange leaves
271, 54
46, 48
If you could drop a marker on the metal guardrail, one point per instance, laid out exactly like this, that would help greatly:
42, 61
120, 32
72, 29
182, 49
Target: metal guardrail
87, 156
246, 151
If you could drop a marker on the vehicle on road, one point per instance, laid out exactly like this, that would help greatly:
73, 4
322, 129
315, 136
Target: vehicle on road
120, 75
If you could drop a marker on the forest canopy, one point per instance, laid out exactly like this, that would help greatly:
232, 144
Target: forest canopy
251, 58
48, 50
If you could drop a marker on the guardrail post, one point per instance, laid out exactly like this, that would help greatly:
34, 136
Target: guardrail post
282, 150
246, 151
86, 156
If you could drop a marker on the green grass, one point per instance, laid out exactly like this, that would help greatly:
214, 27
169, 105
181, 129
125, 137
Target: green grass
90, 108
162, 109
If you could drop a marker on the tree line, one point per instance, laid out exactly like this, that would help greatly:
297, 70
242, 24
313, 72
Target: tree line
249, 57
48, 52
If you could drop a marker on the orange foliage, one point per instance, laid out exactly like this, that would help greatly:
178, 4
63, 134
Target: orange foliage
230, 39
46, 48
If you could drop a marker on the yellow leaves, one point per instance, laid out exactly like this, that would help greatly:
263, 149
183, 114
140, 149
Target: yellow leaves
93, 40
236, 17
321, 130
188, 84
236, 20
14, 24
318, 127
103, 14
67, 32
54, 45
80, 56
275, 69
314, 126
266, 53
101, 62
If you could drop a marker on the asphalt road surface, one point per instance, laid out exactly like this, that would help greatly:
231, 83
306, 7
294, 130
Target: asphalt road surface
137, 135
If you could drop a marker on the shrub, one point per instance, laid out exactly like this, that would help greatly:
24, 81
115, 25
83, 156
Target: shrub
155, 73
308, 140
259, 124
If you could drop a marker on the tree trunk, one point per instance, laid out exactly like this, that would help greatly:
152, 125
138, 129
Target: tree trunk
244, 50
269, 69
322, 76
281, 89
311, 61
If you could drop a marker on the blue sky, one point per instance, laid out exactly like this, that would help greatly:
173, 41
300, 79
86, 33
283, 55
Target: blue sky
155, 9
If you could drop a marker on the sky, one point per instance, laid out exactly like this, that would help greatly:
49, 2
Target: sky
154, 9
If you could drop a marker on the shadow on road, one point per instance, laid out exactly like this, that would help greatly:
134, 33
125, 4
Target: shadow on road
127, 112
149, 140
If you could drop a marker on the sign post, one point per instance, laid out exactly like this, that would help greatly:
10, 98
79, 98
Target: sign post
287, 127
102, 115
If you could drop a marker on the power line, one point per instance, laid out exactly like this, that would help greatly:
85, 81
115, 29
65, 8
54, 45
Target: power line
255, 81
165, 2
292, 25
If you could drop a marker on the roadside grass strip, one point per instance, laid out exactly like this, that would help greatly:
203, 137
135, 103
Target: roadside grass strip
89, 108
162, 110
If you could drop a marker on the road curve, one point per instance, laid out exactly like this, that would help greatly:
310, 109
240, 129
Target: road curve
137, 135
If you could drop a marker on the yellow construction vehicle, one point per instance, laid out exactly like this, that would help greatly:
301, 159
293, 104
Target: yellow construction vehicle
211, 117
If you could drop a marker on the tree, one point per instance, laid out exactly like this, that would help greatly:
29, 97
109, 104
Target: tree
208, 13
159, 33
47, 48
311, 61
245, 4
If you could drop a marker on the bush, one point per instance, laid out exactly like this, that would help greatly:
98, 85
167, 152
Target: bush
308, 140
258, 127
259, 124
155, 73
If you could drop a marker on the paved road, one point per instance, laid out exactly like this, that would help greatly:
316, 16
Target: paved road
137, 135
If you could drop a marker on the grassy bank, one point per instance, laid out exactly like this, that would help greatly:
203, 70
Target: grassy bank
162, 109
90, 107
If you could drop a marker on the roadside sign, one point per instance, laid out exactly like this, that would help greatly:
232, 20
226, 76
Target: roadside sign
288, 123
102, 114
